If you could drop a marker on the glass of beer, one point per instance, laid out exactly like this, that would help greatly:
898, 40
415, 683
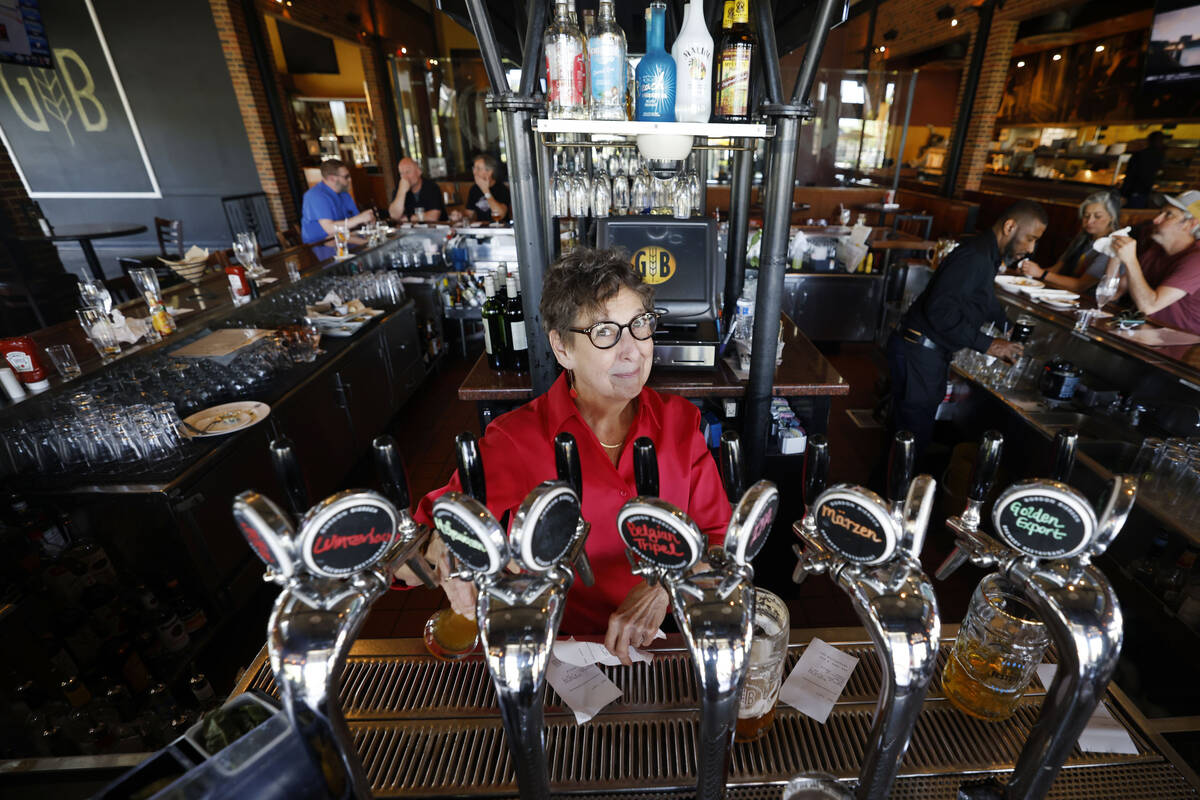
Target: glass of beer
999, 644
764, 673
450, 636
341, 237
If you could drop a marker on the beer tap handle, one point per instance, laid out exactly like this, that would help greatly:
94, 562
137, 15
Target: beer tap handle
732, 473
290, 475
645, 467
566, 462
983, 473
470, 466
394, 483
901, 465
1066, 441
816, 469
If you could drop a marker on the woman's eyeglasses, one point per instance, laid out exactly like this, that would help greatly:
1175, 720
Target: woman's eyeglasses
605, 334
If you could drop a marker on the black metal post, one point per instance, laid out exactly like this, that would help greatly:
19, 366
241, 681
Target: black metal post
816, 45
739, 230
764, 17
391, 120
974, 69
912, 89
266, 72
488, 49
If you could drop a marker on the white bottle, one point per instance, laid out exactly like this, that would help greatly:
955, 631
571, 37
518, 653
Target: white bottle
693, 54
687, 12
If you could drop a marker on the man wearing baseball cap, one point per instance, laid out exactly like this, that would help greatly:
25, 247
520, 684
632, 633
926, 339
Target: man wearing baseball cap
1163, 274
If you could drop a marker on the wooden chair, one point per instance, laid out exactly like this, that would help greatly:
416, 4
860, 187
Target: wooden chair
290, 236
170, 237
918, 225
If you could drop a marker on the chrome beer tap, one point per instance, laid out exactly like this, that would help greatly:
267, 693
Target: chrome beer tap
1048, 535
519, 608
566, 462
871, 548
714, 608
816, 476
339, 561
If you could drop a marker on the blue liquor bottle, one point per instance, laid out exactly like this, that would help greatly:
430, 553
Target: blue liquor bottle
656, 72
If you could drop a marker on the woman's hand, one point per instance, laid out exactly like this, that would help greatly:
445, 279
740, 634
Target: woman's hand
1031, 269
461, 594
637, 620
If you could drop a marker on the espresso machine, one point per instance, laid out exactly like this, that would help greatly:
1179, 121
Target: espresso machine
518, 611
871, 548
331, 569
1046, 535
714, 608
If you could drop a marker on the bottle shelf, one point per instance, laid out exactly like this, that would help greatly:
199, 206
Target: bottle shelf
621, 128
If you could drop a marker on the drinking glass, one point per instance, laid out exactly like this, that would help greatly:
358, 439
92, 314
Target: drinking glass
63, 358
681, 198
100, 331
640, 198
293, 268
95, 294
419, 214
1000, 643
561, 199
601, 195
341, 237
620, 194
449, 635
579, 195
764, 667
1106, 290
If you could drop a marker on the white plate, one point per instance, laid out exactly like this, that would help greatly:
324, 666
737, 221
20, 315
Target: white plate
226, 418
1015, 283
1062, 305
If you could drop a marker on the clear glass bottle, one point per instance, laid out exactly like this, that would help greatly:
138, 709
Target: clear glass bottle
566, 65
606, 65
656, 72
693, 54
735, 55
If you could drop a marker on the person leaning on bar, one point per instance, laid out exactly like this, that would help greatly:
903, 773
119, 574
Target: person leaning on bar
1081, 266
600, 319
329, 203
415, 192
1163, 274
947, 316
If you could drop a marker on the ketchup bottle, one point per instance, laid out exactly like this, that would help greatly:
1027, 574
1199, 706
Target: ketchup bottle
22, 355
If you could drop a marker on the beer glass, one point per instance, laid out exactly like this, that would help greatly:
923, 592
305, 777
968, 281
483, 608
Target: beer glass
999, 644
764, 672
449, 635
341, 237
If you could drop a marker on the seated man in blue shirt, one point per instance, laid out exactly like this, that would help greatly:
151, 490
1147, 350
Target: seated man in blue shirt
328, 203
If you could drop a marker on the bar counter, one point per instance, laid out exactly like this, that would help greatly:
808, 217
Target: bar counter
426, 728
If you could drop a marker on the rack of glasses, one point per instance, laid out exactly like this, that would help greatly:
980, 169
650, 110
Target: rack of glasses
597, 128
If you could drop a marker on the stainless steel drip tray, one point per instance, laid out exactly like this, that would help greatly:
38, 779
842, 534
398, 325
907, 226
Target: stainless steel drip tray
426, 729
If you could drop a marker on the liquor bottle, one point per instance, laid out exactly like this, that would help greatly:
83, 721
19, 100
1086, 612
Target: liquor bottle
502, 285
493, 326
606, 66
566, 65
514, 324
656, 72
735, 54
693, 53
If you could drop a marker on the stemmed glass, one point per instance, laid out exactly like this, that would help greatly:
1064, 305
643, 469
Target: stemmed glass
601, 195
562, 193
245, 249
1106, 290
681, 197
579, 199
95, 294
640, 199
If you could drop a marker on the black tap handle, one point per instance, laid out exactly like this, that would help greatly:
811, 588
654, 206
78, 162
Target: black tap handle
901, 465
566, 461
470, 466
291, 477
645, 467
983, 474
390, 468
1066, 441
816, 468
732, 473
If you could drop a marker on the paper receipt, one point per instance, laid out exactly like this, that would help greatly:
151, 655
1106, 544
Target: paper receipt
586, 690
817, 681
579, 654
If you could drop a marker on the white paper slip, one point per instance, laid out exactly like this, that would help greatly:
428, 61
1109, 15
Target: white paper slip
818, 679
1103, 733
586, 690
580, 654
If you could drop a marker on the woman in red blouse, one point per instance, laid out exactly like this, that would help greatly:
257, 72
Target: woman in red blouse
600, 319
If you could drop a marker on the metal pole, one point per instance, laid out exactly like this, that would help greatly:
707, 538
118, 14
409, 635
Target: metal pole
739, 230
816, 45
488, 48
912, 88
982, 33
765, 18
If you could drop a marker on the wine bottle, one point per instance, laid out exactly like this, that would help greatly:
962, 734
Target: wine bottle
566, 65
656, 72
514, 324
736, 52
493, 326
606, 65
693, 52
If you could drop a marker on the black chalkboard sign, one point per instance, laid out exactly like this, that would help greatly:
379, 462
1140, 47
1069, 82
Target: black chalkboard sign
1044, 521
548, 520
70, 129
855, 525
470, 532
659, 536
348, 535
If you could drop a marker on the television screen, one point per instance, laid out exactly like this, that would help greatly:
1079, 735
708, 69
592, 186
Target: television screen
306, 52
678, 257
1171, 85
22, 35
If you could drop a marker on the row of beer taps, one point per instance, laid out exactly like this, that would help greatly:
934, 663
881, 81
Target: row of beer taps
341, 554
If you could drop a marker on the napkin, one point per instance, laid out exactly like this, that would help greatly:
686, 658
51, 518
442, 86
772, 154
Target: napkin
192, 255
128, 329
581, 654
1104, 243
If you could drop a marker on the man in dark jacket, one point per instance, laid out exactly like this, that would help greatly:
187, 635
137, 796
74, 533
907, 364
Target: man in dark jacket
948, 315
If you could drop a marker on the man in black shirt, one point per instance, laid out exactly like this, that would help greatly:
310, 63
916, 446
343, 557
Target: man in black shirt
415, 192
947, 316
1142, 171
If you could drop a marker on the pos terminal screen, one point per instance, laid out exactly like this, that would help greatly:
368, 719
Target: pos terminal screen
676, 256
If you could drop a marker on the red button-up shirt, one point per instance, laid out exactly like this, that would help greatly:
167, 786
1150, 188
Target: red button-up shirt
518, 453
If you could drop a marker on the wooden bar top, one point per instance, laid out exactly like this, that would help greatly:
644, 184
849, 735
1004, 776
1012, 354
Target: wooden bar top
803, 373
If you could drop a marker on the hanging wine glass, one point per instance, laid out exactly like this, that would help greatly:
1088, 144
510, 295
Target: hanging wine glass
640, 193
579, 195
561, 199
681, 197
601, 195
620, 194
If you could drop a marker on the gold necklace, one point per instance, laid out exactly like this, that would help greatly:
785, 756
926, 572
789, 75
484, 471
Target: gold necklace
611, 446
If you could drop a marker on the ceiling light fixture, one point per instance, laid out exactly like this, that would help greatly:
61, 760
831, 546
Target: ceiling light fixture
1020, 64
1056, 57
954, 22
1099, 48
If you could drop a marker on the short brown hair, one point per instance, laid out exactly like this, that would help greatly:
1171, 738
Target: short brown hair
583, 280
489, 161
332, 166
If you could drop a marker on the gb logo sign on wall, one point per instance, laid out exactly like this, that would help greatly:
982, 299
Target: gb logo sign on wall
68, 126
655, 264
